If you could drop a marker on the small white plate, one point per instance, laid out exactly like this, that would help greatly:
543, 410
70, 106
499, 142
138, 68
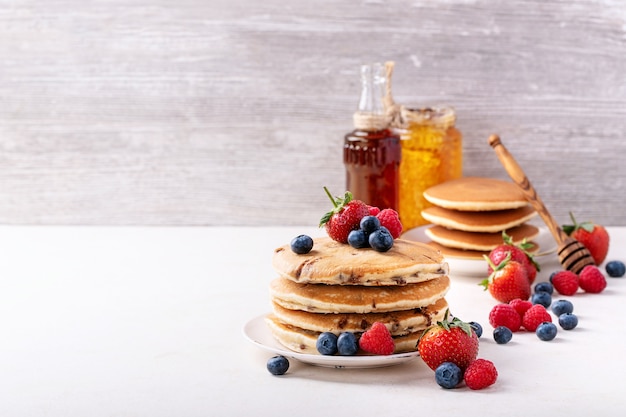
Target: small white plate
257, 332
478, 267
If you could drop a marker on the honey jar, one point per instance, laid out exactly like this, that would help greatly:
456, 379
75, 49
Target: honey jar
432, 153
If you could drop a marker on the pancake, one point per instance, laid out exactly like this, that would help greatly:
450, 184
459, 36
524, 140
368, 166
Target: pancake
304, 341
320, 298
398, 322
334, 263
471, 254
478, 240
476, 194
479, 221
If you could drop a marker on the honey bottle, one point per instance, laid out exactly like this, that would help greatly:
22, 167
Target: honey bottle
432, 153
371, 152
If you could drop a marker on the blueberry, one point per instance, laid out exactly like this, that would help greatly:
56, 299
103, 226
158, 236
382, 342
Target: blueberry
327, 343
542, 298
546, 331
562, 307
302, 244
478, 329
615, 269
358, 239
381, 240
544, 287
347, 344
369, 224
568, 321
448, 375
277, 365
502, 335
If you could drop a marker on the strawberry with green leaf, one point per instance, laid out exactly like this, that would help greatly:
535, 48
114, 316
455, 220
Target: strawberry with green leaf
519, 252
345, 216
448, 341
508, 281
593, 236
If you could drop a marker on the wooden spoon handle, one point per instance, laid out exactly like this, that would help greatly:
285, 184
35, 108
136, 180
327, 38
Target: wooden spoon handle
517, 175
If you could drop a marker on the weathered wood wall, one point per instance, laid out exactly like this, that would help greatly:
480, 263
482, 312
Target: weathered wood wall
214, 112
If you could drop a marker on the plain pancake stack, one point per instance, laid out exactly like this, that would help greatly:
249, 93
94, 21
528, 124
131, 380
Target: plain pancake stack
337, 288
470, 215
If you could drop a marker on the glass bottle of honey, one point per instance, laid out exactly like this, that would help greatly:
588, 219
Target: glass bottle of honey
432, 153
371, 152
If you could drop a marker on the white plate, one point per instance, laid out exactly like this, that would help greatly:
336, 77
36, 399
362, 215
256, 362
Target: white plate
257, 332
478, 267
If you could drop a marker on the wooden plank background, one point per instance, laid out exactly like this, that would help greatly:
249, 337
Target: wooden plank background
214, 112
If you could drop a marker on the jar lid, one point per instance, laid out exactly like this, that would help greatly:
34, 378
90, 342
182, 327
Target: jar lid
438, 115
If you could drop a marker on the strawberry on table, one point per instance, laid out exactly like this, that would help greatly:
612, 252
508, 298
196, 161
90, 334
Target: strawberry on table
593, 236
508, 281
519, 252
448, 341
344, 217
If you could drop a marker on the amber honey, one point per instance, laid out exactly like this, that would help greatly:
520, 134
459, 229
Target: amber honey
372, 161
432, 153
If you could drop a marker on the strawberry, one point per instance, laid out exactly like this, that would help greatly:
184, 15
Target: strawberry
377, 340
565, 282
519, 252
591, 280
593, 236
508, 281
480, 374
535, 315
505, 315
344, 217
389, 218
448, 341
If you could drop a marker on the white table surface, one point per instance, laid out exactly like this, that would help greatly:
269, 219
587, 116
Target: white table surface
130, 321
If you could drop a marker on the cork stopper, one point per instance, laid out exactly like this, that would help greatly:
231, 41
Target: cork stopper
380, 119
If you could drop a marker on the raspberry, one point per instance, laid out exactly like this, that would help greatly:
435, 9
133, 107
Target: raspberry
565, 282
505, 315
535, 315
377, 340
591, 280
521, 306
373, 210
389, 218
480, 374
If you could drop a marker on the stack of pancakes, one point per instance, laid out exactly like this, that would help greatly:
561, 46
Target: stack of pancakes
470, 215
337, 288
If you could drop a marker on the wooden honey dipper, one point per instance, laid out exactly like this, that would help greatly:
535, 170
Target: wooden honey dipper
573, 255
